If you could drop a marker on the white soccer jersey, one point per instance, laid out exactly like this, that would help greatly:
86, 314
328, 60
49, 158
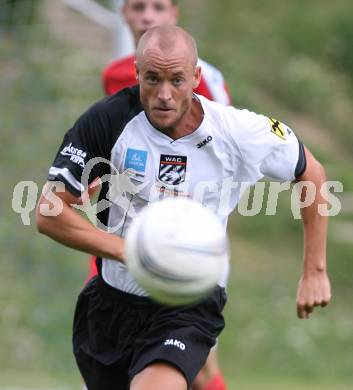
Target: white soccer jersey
144, 165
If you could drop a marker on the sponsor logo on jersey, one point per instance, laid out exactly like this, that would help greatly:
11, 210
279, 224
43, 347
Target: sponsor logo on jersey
77, 156
172, 169
136, 160
175, 343
173, 191
278, 128
204, 142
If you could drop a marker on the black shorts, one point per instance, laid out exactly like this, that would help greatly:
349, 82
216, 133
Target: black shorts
116, 335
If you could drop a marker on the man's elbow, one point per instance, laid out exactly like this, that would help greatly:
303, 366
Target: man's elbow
41, 221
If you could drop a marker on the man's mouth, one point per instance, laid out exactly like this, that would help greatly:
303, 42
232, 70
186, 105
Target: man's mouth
164, 109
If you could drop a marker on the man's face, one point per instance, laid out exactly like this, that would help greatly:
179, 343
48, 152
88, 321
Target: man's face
166, 86
141, 15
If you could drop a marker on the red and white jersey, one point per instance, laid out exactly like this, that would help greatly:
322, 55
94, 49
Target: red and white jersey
121, 74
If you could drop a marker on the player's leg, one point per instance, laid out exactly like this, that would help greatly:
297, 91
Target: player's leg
210, 376
159, 376
179, 341
207, 372
96, 343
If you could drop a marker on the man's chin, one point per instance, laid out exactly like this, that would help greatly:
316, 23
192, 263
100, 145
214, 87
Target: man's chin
140, 33
162, 124
163, 127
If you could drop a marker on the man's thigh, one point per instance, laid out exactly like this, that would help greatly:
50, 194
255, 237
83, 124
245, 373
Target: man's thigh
159, 376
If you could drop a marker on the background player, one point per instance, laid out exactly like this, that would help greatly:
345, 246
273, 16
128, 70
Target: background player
141, 15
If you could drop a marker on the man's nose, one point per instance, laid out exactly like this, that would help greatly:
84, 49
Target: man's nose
164, 92
149, 17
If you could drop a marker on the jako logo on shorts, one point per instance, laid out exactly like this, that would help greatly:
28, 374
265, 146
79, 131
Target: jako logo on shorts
175, 343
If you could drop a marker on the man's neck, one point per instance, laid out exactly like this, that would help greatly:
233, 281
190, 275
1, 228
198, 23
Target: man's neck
190, 121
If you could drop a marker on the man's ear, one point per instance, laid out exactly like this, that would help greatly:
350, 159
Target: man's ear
175, 15
197, 77
124, 12
136, 70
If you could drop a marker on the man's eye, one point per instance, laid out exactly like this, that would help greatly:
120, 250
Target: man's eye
178, 81
139, 7
159, 7
152, 79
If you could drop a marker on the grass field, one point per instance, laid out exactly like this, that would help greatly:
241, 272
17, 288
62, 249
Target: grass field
250, 384
278, 58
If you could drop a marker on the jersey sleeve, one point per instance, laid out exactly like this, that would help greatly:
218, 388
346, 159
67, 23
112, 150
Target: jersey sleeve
90, 137
266, 145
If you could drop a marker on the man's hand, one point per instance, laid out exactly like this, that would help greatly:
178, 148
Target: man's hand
314, 287
314, 290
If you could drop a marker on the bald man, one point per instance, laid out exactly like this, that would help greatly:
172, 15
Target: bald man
122, 339
141, 15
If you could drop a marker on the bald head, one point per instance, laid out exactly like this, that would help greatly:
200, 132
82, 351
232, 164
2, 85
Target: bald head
167, 39
167, 71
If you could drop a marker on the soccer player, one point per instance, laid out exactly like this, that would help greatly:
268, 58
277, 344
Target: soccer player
119, 333
141, 15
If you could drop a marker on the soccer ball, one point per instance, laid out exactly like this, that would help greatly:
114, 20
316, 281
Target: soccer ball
177, 250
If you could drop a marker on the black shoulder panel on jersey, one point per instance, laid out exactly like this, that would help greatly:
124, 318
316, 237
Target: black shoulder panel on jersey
128, 101
121, 108
301, 164
94, 135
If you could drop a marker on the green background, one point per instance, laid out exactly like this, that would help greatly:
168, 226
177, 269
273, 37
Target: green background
291, 60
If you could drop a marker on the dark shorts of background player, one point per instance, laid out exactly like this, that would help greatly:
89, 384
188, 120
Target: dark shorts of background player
116, 335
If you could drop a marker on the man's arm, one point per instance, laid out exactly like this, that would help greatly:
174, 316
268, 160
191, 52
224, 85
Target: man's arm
71, 229
314, 287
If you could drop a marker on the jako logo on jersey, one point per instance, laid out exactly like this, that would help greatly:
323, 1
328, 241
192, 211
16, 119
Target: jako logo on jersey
77, 156
204, 142
175, 343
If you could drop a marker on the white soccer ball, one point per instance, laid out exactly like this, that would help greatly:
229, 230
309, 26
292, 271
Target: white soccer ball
177, 250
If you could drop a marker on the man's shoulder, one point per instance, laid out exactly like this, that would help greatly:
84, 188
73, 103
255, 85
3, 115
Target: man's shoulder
119, 74
216, 113
233, 120
122, 63
116, 109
